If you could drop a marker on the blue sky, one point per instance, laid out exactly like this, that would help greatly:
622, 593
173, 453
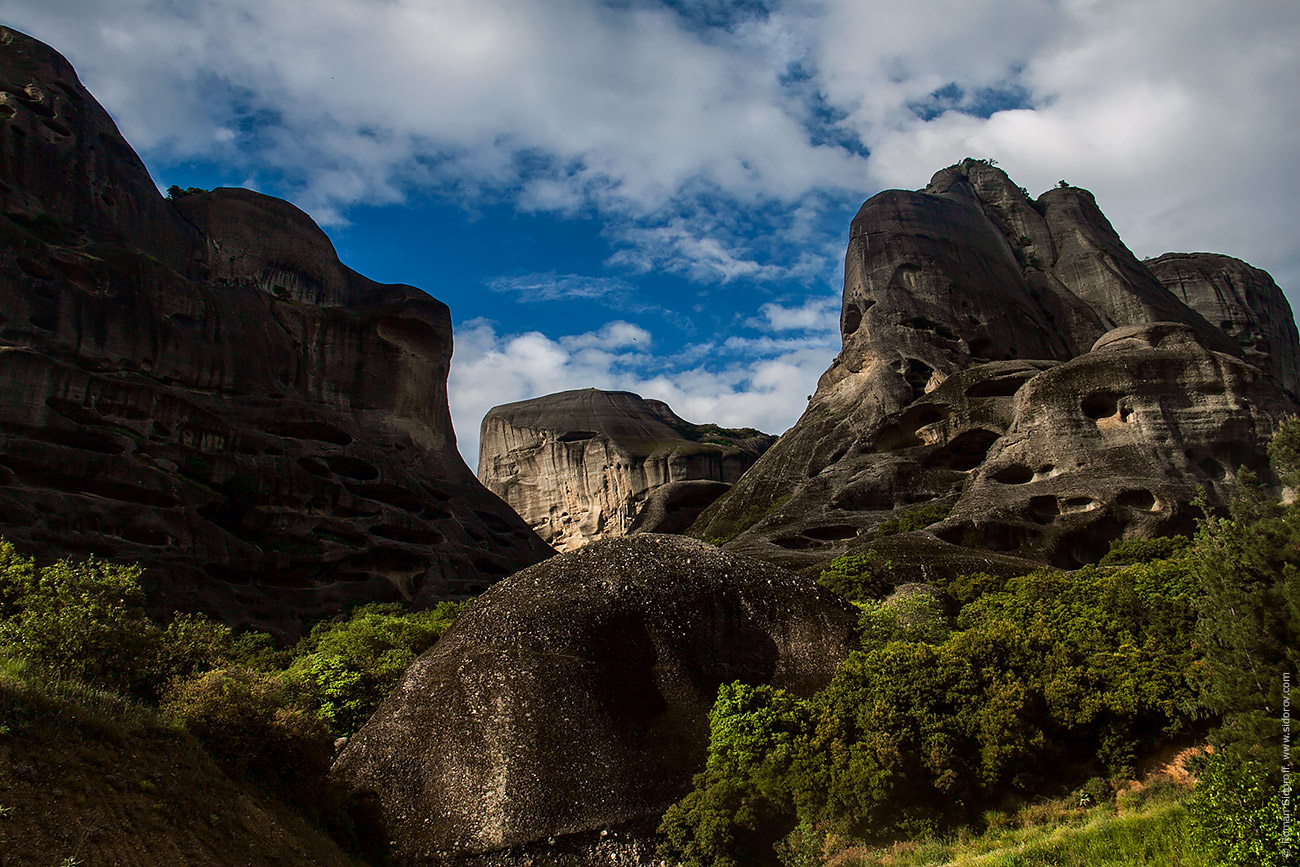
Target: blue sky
655, 194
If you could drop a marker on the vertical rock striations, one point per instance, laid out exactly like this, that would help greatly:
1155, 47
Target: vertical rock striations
582, 465
200, 386
1011, 359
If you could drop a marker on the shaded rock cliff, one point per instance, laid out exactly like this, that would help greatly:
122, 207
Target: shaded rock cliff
200, 386
1010, 358
574, 696
582, 465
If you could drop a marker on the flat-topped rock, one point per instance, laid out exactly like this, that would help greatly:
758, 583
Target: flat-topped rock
583, 465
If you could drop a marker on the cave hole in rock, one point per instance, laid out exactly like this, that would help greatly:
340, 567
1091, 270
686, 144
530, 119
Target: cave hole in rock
795, 542
1099, 405
7, 111
1213, 469
966, 451
409, 534
57, 127
18, 131
316, 467
146, 536
902, 433
576, 436
493, 522
851, 320
353, 468
997, 536
1088, 545
917, 374
434, 512
1043, 509
82, 439
924, 323
310, 430
435, 492
1078, 504
32, 268
108, 198
1138, 499
981, 347
229, 574
343, 535
45, 322
1003, 386
1016, 474
389, 494
832, 533
387, 560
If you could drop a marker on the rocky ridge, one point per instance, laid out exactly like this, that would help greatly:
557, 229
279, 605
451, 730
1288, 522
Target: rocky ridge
200, 386
585, 465
1009, 358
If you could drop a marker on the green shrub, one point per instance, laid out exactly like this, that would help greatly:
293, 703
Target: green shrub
1127, 552
350, 665
859, 577
1238, 810
914, 519
81, 621
255, 723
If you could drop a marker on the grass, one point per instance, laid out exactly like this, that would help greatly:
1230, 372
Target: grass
33, 702
1145, 828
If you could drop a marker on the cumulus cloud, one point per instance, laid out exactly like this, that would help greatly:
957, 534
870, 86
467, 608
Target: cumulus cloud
710, 139
764, 384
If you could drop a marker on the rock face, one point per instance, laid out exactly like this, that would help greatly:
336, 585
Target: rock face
1011, 359
200, 386
582, 465
574, 695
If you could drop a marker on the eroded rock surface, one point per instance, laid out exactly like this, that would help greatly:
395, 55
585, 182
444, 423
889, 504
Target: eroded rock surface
201, 387
574, 695
1012, 359
583, 465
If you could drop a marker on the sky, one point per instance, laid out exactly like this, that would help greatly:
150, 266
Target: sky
655, 195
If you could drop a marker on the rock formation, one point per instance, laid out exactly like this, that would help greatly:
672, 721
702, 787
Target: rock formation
573, 696
582, 465
200, 386
1011, 359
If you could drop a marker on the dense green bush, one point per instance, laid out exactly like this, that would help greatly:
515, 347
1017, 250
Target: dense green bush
350, 664
1238, 807
914, 519
922, 728
859, 577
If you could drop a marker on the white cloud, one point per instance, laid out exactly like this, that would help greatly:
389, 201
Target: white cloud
551, 286
765, 386
819, 314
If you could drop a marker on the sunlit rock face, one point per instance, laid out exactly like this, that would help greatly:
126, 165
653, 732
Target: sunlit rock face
1010, 358
583, 465
201, 387
574, 695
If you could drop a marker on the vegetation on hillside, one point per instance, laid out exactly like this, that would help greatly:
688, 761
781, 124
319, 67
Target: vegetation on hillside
1037, 684
78, 630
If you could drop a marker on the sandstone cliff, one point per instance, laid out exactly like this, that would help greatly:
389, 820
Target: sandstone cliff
200, 386
1011, 359
583, 465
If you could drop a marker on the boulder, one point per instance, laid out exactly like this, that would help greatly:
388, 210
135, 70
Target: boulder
574, 695
582, 465
202, 387
1011, 359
